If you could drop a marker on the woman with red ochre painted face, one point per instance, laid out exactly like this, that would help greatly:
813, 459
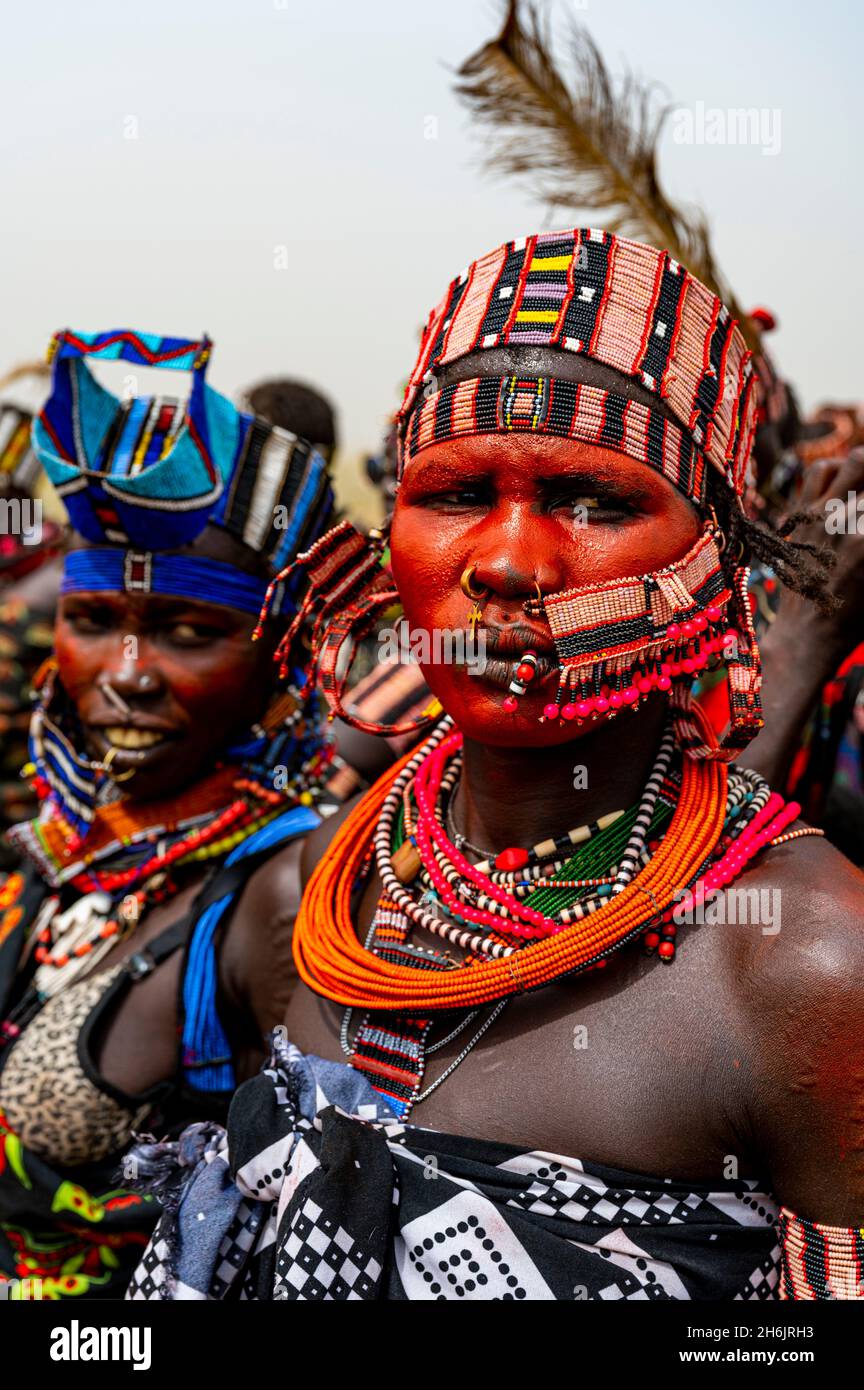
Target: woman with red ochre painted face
145, 944
566, 959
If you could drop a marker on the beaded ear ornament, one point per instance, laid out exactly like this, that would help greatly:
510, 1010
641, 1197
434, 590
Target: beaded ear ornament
348, 591
620, 640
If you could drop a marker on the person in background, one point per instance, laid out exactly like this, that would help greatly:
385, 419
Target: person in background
297, 408
145, 939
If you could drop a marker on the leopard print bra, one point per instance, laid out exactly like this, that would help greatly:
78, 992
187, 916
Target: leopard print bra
49, 1090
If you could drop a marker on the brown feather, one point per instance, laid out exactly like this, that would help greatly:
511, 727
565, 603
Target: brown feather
588, 144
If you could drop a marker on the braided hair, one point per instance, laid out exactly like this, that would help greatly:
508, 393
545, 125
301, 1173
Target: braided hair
799, 565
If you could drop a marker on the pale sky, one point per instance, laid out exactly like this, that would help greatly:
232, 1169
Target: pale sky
263, 125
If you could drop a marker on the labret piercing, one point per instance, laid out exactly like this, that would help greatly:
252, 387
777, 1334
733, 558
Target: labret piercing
525, 673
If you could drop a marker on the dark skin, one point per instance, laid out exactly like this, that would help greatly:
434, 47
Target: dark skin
749, 1047
192, 676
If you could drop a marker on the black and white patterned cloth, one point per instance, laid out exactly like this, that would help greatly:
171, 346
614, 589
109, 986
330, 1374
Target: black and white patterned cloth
316, 1191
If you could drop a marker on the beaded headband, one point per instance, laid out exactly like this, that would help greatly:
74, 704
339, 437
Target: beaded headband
145, 572
611, 300
549, 405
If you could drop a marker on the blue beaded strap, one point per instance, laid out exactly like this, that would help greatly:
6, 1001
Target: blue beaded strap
206, 1051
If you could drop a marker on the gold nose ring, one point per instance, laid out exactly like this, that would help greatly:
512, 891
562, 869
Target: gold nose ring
466, 584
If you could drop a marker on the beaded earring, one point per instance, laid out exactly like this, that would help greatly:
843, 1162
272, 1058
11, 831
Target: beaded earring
348, 590
58, 772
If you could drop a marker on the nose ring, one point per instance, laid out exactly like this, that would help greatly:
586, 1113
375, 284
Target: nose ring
466, 584
476, 595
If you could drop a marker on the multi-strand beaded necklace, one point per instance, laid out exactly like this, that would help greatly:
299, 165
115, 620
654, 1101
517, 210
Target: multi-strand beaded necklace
128, 864
523, 918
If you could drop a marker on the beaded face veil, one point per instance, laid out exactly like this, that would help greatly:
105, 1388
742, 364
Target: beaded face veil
631, 308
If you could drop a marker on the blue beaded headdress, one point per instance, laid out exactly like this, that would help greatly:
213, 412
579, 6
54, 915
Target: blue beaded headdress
148, 474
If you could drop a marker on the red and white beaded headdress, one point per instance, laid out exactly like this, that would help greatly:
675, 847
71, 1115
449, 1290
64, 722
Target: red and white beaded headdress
611, 300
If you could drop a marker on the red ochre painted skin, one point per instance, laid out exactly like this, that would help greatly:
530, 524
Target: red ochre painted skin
186, 670
510, 505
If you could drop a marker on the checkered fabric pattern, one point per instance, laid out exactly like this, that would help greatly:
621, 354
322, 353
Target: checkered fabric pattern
360, 1207
320, 1260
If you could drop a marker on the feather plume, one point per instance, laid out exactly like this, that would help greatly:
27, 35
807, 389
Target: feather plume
588, 143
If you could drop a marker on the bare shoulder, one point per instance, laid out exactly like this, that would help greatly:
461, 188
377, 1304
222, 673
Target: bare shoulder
795, 981
806, 930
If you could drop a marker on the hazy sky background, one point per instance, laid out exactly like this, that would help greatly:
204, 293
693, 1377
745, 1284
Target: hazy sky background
298, 125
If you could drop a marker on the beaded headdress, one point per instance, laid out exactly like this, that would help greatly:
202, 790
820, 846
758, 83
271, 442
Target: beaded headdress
614, 301
142, 477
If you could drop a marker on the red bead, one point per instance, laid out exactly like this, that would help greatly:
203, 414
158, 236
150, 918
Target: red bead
525, 673
713, 613
550, 711
673, 631
510, 859
584, 708
601, 704
510, 704
616, 700
652, 940
645, 685
688, 629
664, 683
630, 695
666, 950
568, 711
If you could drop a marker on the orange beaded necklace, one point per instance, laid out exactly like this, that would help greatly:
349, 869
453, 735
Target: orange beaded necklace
332, 961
